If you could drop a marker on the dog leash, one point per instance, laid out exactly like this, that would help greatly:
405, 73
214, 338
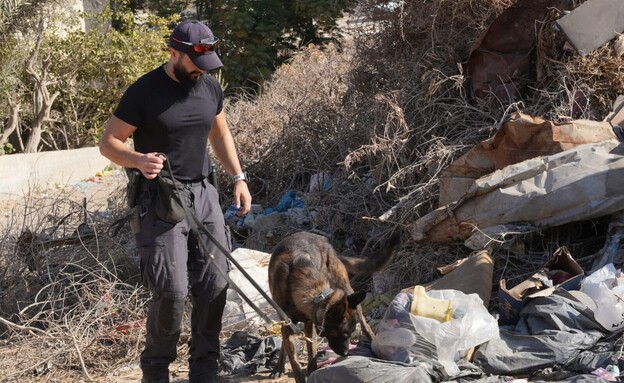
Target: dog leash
197, 227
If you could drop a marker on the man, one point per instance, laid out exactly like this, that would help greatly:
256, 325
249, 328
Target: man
175, 110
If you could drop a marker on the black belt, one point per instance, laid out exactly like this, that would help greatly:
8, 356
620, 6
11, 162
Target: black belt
191, 184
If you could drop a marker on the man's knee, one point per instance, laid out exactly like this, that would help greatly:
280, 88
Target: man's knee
170, 311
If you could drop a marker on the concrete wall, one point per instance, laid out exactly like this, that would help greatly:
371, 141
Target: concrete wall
22, 172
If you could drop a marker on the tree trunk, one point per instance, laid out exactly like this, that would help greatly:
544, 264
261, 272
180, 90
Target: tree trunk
42, 105
13, 123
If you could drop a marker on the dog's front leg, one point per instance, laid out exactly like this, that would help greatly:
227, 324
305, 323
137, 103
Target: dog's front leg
288, 347
278, 370
366, 329
310, 332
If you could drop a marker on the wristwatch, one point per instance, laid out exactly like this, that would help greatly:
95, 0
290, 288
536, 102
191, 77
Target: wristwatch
240, 177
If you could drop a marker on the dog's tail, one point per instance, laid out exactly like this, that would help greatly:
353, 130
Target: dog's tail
372, 260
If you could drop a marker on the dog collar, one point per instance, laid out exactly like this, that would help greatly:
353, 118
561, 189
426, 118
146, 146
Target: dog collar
317, 302
323, 295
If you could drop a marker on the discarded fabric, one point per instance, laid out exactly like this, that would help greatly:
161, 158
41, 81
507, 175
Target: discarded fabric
289, 200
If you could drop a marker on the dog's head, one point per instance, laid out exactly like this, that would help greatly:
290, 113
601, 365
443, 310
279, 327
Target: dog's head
341, 319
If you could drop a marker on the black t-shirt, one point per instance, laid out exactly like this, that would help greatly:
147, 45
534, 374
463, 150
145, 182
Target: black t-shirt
173, 120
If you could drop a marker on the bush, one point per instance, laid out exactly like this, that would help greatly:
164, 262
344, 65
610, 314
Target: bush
89, 71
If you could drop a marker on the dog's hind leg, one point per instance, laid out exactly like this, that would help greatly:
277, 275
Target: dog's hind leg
312, 345
288, 347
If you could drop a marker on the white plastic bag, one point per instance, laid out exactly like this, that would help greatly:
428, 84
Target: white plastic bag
607, 291
470, 326
396, 338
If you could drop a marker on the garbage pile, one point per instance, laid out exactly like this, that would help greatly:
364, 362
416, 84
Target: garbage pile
553, 157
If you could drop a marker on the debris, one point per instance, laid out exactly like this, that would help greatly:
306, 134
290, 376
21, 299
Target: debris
43, 368
245, 353
616, 117
556, 330
561, 271
237, 311
321, 181
606, 287
414, 339
289, 200
472, 276
520, 138
610, 252
592, 24
577, 184
500, 60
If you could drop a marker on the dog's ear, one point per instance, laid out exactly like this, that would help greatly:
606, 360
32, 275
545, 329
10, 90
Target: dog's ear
356, 298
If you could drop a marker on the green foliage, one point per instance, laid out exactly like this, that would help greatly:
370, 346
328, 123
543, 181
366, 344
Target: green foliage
259, 35
90, 71
93, 69
9, 10
161, 8
124, 11
7, 148
11, 65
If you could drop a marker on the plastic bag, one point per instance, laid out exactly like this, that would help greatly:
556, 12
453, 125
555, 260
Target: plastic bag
396, 338
607, 290
431, 340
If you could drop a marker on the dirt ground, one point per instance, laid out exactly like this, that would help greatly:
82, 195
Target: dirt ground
99, 191
179, 372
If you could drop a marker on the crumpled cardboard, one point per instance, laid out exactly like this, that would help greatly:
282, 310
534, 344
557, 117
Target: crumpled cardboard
520, 138
581, 183
561, 271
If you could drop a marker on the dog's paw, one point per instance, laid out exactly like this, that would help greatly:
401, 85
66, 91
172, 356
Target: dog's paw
277, 373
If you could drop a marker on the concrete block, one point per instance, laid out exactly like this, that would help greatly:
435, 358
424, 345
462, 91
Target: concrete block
22, 172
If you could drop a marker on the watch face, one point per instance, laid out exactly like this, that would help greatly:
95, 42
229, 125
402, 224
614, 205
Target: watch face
238, 177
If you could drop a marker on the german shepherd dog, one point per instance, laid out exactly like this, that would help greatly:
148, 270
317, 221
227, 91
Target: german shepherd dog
309, 281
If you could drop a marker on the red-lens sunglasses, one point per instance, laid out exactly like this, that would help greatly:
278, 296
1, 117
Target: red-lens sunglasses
206, 45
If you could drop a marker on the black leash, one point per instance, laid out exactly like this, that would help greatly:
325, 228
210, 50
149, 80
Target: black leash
197, 227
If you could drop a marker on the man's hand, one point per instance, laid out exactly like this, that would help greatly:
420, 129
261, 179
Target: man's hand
150, 164
242, 198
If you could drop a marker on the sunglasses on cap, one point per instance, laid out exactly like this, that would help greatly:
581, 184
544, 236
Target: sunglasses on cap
206, 45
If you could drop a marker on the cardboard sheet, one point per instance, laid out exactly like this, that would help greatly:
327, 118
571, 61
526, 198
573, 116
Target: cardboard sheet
471, 275
581, 183
520, 138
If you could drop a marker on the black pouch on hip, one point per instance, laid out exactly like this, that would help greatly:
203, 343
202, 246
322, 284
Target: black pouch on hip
170, 196
134, 186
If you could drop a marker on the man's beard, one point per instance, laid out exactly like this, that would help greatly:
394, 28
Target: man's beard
186, 79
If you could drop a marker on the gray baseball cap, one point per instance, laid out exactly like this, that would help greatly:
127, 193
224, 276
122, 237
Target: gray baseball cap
196, 40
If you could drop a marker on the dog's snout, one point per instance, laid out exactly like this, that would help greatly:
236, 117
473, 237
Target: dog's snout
341, 348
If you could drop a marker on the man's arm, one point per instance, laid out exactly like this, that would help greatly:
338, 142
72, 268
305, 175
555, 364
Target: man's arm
222, 144
113, 147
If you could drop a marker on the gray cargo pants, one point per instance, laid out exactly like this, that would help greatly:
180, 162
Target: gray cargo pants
171, 263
